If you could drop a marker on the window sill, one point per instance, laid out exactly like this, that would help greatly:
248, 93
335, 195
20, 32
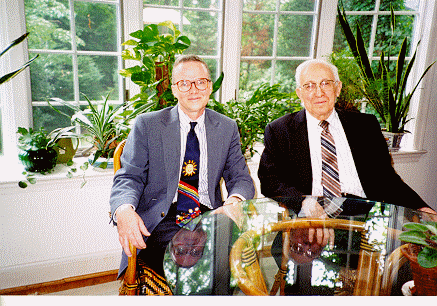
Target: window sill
407, 156
12, 174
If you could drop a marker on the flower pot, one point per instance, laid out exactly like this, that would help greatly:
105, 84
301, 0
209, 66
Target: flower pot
42, 160
66, 150
101, 162
425, 279
393, 140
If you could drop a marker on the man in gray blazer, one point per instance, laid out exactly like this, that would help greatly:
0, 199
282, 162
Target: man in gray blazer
145, 189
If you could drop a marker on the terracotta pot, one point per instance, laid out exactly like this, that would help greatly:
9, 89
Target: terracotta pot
425, 279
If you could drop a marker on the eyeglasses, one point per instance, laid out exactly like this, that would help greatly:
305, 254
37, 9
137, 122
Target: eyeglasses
193, 250
325, 85
185, 85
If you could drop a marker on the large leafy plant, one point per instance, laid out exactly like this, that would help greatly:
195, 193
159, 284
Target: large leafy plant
14, 73
425, 235
252, 115
384, 87
155, 54
106, 124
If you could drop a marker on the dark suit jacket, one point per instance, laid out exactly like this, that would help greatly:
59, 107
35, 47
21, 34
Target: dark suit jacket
285, 166
150, 163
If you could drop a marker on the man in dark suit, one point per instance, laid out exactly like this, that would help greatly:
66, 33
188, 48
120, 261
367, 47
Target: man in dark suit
145, 190
291, 163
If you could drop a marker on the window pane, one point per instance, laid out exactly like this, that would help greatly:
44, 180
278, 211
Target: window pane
202, 31
258, 5
359, 5
285, 74
298, 5
49, 23
403, 29
97, 76
1, 134
365, 23
257, 35
51, 76
212, 4
162, 2
295, 35
46, 117
253, 73
96, 26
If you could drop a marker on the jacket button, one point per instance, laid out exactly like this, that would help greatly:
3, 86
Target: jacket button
163, 214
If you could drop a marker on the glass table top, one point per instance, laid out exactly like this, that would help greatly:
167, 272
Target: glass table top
292, 247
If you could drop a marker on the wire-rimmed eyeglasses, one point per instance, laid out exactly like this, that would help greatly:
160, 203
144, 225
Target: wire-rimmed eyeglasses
325, 85
185, 85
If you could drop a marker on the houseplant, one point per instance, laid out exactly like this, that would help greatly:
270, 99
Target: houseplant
12, 74
422, 254
38, 154
104, 123
155, 54
384, 86
252, 115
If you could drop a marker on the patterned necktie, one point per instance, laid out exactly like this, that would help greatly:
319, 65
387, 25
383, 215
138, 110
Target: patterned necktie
330, 177
188, 206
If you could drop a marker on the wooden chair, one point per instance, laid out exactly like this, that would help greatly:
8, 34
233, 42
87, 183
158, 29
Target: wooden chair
148, 282
246, 270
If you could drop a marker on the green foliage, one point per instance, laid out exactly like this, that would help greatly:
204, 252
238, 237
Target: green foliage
106, 124
425, 235
385, 86
253, 114
14, 73
155, 54
33, 140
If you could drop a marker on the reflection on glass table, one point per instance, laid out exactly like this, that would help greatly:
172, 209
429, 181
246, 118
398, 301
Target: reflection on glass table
292, 247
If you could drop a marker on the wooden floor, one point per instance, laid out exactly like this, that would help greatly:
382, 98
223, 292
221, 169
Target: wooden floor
110, 288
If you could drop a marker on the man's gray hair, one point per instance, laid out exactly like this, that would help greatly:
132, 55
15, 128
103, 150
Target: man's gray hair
190, 58
304, 66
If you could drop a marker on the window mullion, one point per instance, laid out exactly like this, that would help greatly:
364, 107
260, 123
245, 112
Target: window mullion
74, 55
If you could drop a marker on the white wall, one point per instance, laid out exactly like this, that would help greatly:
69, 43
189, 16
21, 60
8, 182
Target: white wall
55, 229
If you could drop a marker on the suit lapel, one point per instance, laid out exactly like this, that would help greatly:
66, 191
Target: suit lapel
212, 128
171, 143
302, 149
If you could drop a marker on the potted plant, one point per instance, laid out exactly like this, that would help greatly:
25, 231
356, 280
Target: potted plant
422, 254
38, 154
12, 74
104, 123
384, 86
155, 54
63, 139
252, 115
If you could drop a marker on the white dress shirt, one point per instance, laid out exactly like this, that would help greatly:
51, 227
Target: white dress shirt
200, 131
349, 180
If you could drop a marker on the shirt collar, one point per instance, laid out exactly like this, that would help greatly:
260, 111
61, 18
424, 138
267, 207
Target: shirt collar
185, 120
332, 119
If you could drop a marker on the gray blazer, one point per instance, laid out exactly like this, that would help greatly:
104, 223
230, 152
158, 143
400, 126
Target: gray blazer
150, 161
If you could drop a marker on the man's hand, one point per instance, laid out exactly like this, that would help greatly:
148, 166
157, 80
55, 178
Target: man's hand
131, 228
312, 208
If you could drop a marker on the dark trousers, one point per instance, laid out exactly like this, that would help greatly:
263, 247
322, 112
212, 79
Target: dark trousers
156, 244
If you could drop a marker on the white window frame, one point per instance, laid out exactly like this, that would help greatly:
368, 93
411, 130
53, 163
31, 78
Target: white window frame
16, 106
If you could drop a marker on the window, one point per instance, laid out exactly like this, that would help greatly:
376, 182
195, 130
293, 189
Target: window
199, 20
276, 37
252, 41
79, 46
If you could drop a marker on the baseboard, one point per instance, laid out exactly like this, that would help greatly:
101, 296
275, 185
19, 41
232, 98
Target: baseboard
25, 275
63, 284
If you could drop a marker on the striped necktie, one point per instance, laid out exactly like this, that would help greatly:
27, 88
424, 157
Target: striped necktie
330, 177
188, 206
